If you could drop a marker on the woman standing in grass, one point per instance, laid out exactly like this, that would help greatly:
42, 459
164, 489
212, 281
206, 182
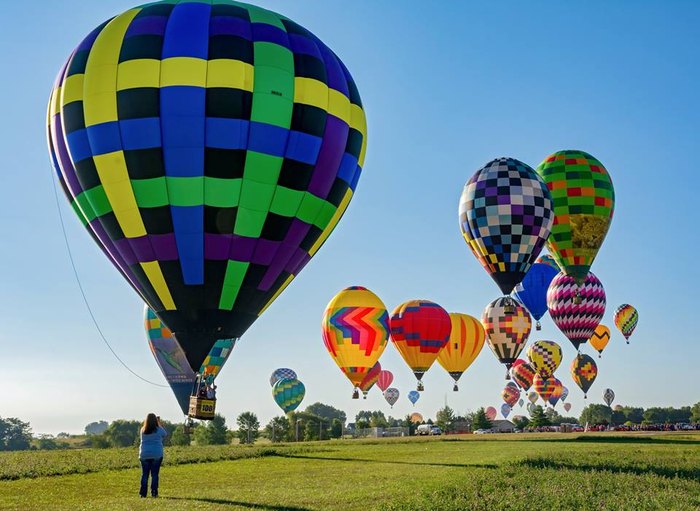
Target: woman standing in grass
151, 453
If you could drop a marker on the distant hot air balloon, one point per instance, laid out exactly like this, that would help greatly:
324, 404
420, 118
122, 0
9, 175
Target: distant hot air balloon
210, 149
355, 331
584, 371
391, 395
288, 394
600, 338
505, 410
608, 396
505, 214
556, 393
532, 291
282, 372
370, 379
507, 325
491, 413
532, 396
413, 396
567, 406
419, 330
564, 393
626, 318
577, 320
531, 407
544, 387
510, 395
173, 363
521, 402
522, 374
545, 357
584, 201
385, 379
466, 340
416, 418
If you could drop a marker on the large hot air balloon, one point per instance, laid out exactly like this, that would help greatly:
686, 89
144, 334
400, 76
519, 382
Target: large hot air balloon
505, 213
549, 261
532, 291
385, 379
491, 413
544, 387
576, 319
282, 372
584, 201
355, 330
466, 340
173, 363
556, 393
288, 394
391, 395
608, 396
510, 395
210, 149
600, 338
505, 410
413, 396
370, 379
507, 325
419, 330
584, 371
545, 357
523, 374
626, 318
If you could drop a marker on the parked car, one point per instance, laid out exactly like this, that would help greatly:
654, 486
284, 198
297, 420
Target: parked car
482, 431
424, 429
435, 431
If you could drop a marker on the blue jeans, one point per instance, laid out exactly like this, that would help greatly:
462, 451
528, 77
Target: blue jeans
150, 466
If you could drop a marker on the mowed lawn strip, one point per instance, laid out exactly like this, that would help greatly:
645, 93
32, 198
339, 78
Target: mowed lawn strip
495, 472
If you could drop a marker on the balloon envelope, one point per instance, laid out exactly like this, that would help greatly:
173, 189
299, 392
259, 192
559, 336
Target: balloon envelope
391, 395
506, 331
567, 406
172, 360
210, 149
510, 395
532, 397
464, 345
608, 396
385, 379
584, 201
505, 213
371, 378
416, 418
505, 410
545, 357
282, 372
556, 393
600, 338
491, 413
544, 387
532, 291
626, 318
523, 374
413, 396
419, 330
288, 393
355, 330
584, 371
564, 393
577, 319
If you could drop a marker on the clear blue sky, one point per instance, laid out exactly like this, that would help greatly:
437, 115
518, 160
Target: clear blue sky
446, 88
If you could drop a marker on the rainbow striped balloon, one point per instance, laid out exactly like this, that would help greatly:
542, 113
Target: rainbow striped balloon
626, 318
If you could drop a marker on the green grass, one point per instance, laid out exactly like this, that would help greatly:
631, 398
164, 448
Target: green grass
494, 472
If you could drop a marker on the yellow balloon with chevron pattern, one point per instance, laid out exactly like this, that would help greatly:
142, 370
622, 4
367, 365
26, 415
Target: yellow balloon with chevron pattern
600, 338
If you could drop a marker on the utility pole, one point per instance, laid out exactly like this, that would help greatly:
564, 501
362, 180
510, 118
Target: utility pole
320, 430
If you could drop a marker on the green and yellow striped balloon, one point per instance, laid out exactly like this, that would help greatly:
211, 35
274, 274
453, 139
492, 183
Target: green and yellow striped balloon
288, 394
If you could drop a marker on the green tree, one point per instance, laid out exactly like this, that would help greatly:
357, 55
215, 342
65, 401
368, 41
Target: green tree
444, 418
248, 428
336, 430
655, 415
278, 429
123, 433
480, 420
47, 443
633, 414
695, 412
179, 437
326, 412
15, 435
595, 414
538, 418
521, 422
378, 420
96, 428
96, 441
214, 433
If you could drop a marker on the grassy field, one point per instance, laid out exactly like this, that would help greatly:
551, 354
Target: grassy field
493, 472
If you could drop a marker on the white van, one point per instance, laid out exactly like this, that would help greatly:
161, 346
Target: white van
424, 429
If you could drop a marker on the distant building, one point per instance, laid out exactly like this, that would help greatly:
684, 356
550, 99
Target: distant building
502, 426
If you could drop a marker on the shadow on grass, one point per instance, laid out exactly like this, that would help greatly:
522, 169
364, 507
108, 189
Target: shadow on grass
596, 439
394, 462
249, 505
691, 474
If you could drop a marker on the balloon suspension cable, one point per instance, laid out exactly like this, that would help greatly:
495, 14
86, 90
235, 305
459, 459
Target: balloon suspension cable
82, 292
